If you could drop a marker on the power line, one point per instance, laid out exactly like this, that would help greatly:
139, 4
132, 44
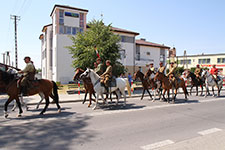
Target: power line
15, 18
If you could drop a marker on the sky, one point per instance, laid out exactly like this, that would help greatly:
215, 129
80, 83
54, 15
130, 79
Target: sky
197, 26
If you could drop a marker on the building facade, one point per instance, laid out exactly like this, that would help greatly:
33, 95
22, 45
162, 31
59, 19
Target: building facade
204, 60
68, 21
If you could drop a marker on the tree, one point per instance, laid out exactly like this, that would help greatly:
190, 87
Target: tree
101, 37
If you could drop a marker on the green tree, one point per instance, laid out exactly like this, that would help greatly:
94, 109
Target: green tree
106, 42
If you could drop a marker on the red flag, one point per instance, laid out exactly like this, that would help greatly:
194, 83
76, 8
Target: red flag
97, 52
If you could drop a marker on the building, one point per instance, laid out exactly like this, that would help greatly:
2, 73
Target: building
57, 61
204, 60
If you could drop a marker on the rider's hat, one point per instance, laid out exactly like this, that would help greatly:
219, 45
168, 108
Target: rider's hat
172, 62
27, 57
151, 63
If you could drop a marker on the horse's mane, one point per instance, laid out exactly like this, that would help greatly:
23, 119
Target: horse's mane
6, 77
95, 73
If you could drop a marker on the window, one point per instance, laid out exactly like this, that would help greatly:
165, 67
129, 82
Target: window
220, 60
122, 53
127, 39
61, 29
74, 32
148, 53
81, 30
188, 61
61, 17
204, 61
138, 55
68, 30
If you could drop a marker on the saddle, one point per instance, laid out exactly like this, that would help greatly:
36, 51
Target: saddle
112, 82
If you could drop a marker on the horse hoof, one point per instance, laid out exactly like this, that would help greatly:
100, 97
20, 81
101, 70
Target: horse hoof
19, 115
41, 113
27, 108
59, 110
89, 105
153, 100
94, 108
6, 116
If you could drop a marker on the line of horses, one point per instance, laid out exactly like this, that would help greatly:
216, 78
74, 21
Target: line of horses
158, 82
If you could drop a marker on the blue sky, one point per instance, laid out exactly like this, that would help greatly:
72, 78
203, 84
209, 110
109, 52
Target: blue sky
197, 26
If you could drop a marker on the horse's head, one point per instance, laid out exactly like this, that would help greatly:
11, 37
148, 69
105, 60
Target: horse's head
204, 73
138, 74
86, 74
77, 74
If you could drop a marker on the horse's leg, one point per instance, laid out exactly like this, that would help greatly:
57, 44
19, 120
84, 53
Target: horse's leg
213, 91
175, 95
89, 100
196, 90
164, 91
85, 96
206, 90
168, 94
96, 103
160, 94
23, 103
19, 106
185, 92
202, 89
124, 96
149, 93
6, 106
143, 94
118, 96
14, 106
154, 95
42, 98
46, 105
191, 88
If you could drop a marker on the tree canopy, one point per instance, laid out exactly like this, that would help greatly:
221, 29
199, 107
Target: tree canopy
98, 36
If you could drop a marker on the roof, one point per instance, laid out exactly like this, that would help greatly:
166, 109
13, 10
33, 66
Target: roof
146, 43
199, 55
67, 7
124, 31
45, 27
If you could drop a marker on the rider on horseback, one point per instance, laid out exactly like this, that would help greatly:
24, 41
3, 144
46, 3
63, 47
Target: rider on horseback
99, 69
161, 68
171, 73
214, 73
198, 72
152, 67
28, 75
107, 75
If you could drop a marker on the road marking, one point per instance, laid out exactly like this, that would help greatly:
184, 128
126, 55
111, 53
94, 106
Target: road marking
209, 131
157, 145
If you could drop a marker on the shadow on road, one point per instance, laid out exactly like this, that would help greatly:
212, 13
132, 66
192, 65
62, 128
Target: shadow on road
49, 131
113, 106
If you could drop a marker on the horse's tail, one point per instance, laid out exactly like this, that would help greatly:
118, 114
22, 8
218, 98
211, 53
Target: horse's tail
128, 87
55, 91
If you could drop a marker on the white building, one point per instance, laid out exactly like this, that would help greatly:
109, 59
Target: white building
66, 20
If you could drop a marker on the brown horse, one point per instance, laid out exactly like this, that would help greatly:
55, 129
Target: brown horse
166, 85
144, 81
8, 84
155, 85
87, 85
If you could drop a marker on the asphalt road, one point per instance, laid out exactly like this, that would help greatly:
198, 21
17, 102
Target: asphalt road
198, 123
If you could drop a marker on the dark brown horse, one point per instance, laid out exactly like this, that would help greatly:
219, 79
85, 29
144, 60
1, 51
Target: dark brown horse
195, 82
166, 85
87, 85
144, 81
8, 84
155, 85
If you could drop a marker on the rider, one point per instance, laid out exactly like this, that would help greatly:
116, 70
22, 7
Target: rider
28, 75
198, 71
161, 68
152, 67
107, 75
99, 69
171, 73
214, 73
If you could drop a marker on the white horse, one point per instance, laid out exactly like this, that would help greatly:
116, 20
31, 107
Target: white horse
121, 83
209, 81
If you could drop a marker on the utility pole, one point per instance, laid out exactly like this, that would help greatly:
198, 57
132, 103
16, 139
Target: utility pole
3, 54
15, 18
7, 58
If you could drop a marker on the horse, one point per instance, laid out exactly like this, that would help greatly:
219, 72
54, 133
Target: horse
87, 85
166, 85
8, 84
209, 81
144, 81
121, 83
155, 85
195, 82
